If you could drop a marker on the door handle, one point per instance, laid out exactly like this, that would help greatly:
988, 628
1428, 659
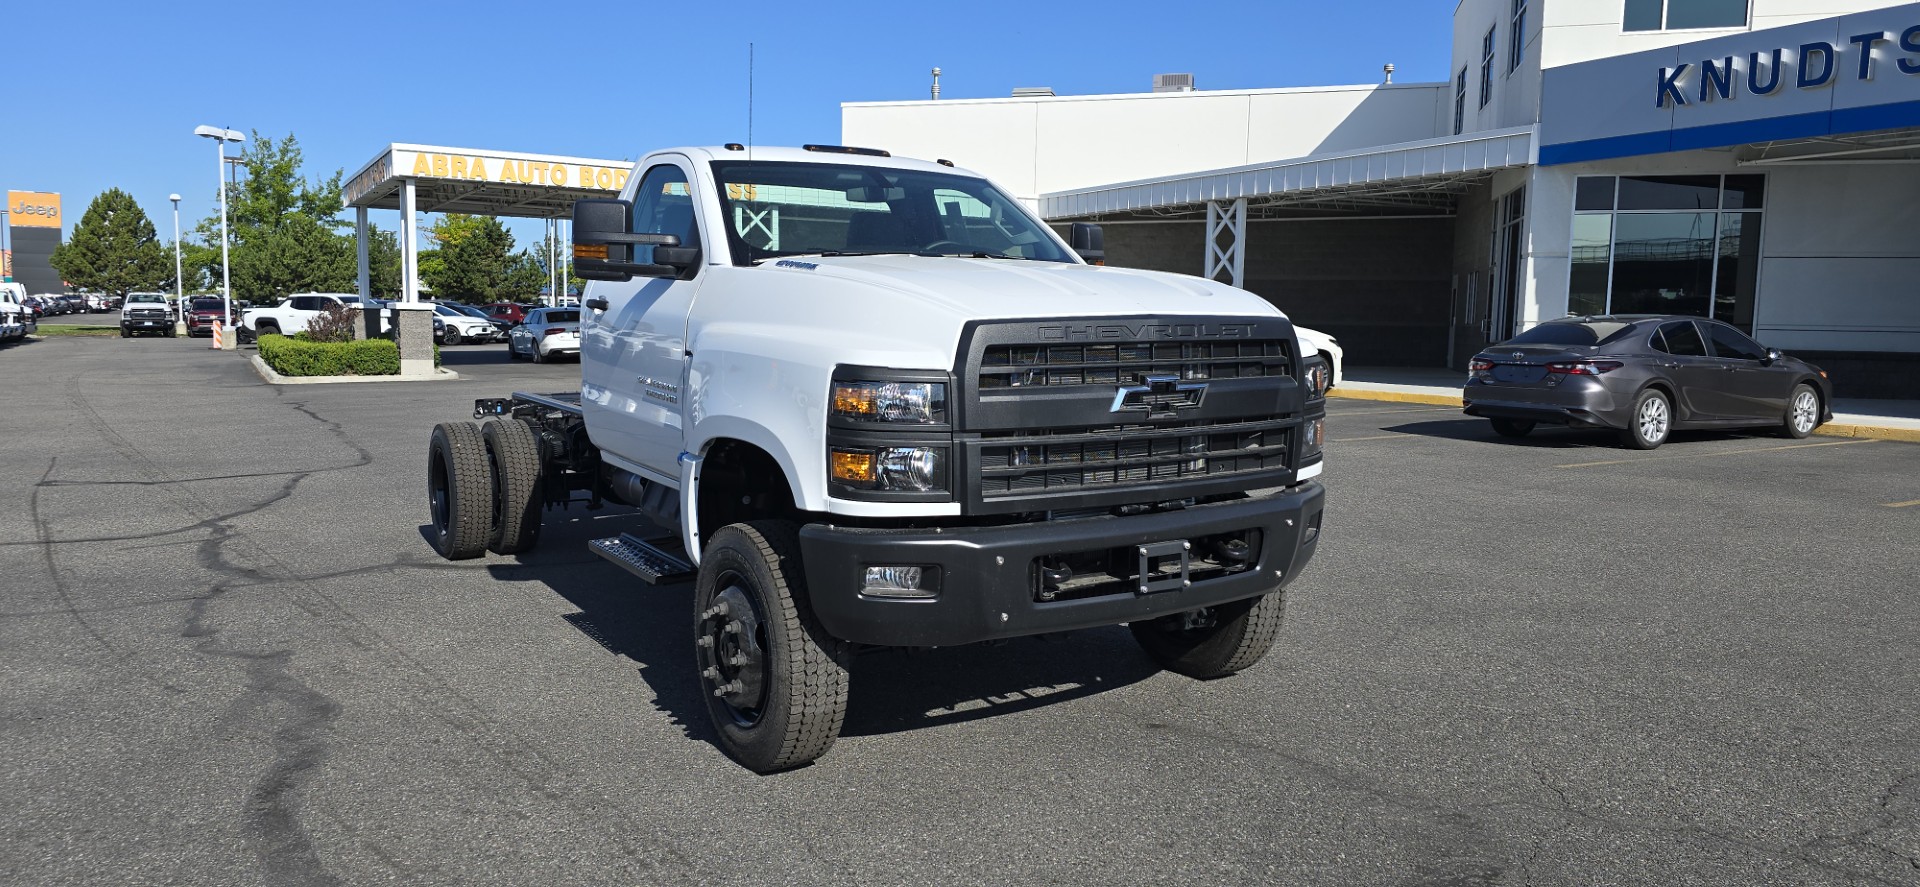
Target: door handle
597, 304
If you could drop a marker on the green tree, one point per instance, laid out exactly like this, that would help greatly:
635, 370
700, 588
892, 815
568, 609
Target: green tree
286, 229
383, 263
114, 249
474, 266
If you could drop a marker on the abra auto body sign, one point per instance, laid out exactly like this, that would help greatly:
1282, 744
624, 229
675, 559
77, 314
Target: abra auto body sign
425, 162
1855, 73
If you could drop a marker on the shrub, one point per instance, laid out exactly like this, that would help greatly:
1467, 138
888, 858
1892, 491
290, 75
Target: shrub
294, 357
333, 324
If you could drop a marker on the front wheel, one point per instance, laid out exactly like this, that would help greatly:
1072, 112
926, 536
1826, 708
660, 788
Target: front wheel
452, 337
775, 683
1651, 422
1803, 412
1213, 642
1512, 427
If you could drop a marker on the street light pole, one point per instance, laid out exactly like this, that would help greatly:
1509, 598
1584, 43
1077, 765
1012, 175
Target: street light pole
179, 281
221, 137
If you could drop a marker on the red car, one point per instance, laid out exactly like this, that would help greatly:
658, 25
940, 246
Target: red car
508, 311
201, 315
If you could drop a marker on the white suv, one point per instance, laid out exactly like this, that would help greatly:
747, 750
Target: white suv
295, 311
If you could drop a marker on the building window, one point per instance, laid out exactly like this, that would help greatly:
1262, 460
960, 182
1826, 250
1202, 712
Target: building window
1486, 66
1667, 245
1509, 255
1516, 35
1460, 102
1680, 15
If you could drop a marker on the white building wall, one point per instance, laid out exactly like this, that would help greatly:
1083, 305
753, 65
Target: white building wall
1034, 146
1515, 97
1583, 30
1839, 259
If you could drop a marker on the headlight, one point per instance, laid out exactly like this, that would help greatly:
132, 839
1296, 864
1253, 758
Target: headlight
902, 469
1317, 378
908, 403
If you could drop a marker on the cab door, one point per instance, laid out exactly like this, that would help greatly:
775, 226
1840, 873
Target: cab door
634, 349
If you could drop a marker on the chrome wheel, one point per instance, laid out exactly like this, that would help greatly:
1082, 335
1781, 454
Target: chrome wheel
733, 653
1806, 411
1654, 419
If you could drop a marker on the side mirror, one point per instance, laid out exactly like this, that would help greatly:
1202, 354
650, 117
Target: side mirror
603, 244
1088, 242
1773, 357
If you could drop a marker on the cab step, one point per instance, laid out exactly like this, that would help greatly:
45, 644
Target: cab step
646, 559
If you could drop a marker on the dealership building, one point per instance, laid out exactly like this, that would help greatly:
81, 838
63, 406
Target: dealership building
1755, 161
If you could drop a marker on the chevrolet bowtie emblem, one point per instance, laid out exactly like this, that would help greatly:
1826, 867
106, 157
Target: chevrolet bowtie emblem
1158, 396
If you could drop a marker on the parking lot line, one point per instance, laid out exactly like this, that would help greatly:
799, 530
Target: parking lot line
1903, 504
1745, 452
1369, 437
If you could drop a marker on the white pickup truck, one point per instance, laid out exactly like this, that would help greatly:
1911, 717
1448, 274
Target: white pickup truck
292, 313
875, 402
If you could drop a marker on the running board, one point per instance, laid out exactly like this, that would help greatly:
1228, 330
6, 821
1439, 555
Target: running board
643, 559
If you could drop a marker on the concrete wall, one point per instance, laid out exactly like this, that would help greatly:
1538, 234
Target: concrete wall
1380, 286
1515, 98
1033, 146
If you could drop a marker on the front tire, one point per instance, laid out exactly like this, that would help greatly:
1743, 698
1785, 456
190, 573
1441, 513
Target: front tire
774, 682
459, 490
514, 455
1214, 642
1651, 422
1803, 412
1512, 427
452, 337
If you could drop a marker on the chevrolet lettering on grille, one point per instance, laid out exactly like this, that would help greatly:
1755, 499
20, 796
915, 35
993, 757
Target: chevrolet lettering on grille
1158, 396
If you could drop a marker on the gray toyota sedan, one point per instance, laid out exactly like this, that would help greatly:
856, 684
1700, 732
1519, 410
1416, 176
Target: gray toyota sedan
1644, 376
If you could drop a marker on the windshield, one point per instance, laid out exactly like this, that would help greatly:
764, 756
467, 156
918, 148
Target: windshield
1591, 332
793, 209
561, 317
147, 297
208, 304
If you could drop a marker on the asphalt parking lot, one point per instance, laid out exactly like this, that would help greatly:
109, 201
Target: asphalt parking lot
230, 657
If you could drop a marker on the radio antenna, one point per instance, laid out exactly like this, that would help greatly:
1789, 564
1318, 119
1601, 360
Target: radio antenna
749, 102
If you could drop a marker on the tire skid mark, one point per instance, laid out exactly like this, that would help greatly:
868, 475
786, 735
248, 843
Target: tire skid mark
271, 812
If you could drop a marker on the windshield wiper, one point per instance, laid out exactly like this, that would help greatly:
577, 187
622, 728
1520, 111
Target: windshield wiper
976, 254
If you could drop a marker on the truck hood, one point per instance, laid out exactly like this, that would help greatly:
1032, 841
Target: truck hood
966, 288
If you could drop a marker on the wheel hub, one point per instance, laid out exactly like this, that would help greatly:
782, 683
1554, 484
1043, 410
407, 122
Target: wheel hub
1803, 411
1653, 419
733, 654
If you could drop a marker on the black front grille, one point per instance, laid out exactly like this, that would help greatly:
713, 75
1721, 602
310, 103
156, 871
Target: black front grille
1014, 366
1066, 459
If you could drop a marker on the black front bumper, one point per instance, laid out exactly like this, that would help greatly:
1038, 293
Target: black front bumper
988, 576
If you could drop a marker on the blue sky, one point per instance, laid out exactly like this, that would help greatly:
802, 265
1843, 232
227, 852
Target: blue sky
108, 94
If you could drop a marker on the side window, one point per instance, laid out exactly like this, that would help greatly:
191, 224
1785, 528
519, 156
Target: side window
305, 303
663, 204
1683, 340
1729, 342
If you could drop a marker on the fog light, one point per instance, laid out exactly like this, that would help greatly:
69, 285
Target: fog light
895, 581
1316, 432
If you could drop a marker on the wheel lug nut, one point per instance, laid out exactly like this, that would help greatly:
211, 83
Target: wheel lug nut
703, 641
710, 673
733, 628
738, 659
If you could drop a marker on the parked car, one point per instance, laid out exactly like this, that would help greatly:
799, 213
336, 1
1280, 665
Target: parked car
456, 327
16, 316
1644, 376
1328, 347
293, 313
511, 312
145, 313
547, 333
202, 313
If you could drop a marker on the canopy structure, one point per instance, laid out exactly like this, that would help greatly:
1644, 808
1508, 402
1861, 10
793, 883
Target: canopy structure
429, 178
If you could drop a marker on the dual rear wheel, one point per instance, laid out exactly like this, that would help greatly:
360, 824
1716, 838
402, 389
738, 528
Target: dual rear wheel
484, 488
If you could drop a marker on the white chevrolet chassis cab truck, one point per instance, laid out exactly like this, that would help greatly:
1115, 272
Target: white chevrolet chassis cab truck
875, 402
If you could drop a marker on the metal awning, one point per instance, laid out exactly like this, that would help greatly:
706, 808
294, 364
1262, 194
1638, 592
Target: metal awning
1887, 146
488, 183
1409, 171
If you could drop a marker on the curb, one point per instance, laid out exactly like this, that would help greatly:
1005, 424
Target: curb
1831, 429
273, 378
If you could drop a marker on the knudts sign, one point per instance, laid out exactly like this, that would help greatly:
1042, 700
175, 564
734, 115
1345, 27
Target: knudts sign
1814, 66
1852, 73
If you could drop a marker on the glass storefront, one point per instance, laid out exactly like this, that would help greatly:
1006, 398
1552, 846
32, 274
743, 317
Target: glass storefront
1667, 245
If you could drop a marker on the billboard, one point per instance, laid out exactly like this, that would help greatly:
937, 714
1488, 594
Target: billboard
33, 209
